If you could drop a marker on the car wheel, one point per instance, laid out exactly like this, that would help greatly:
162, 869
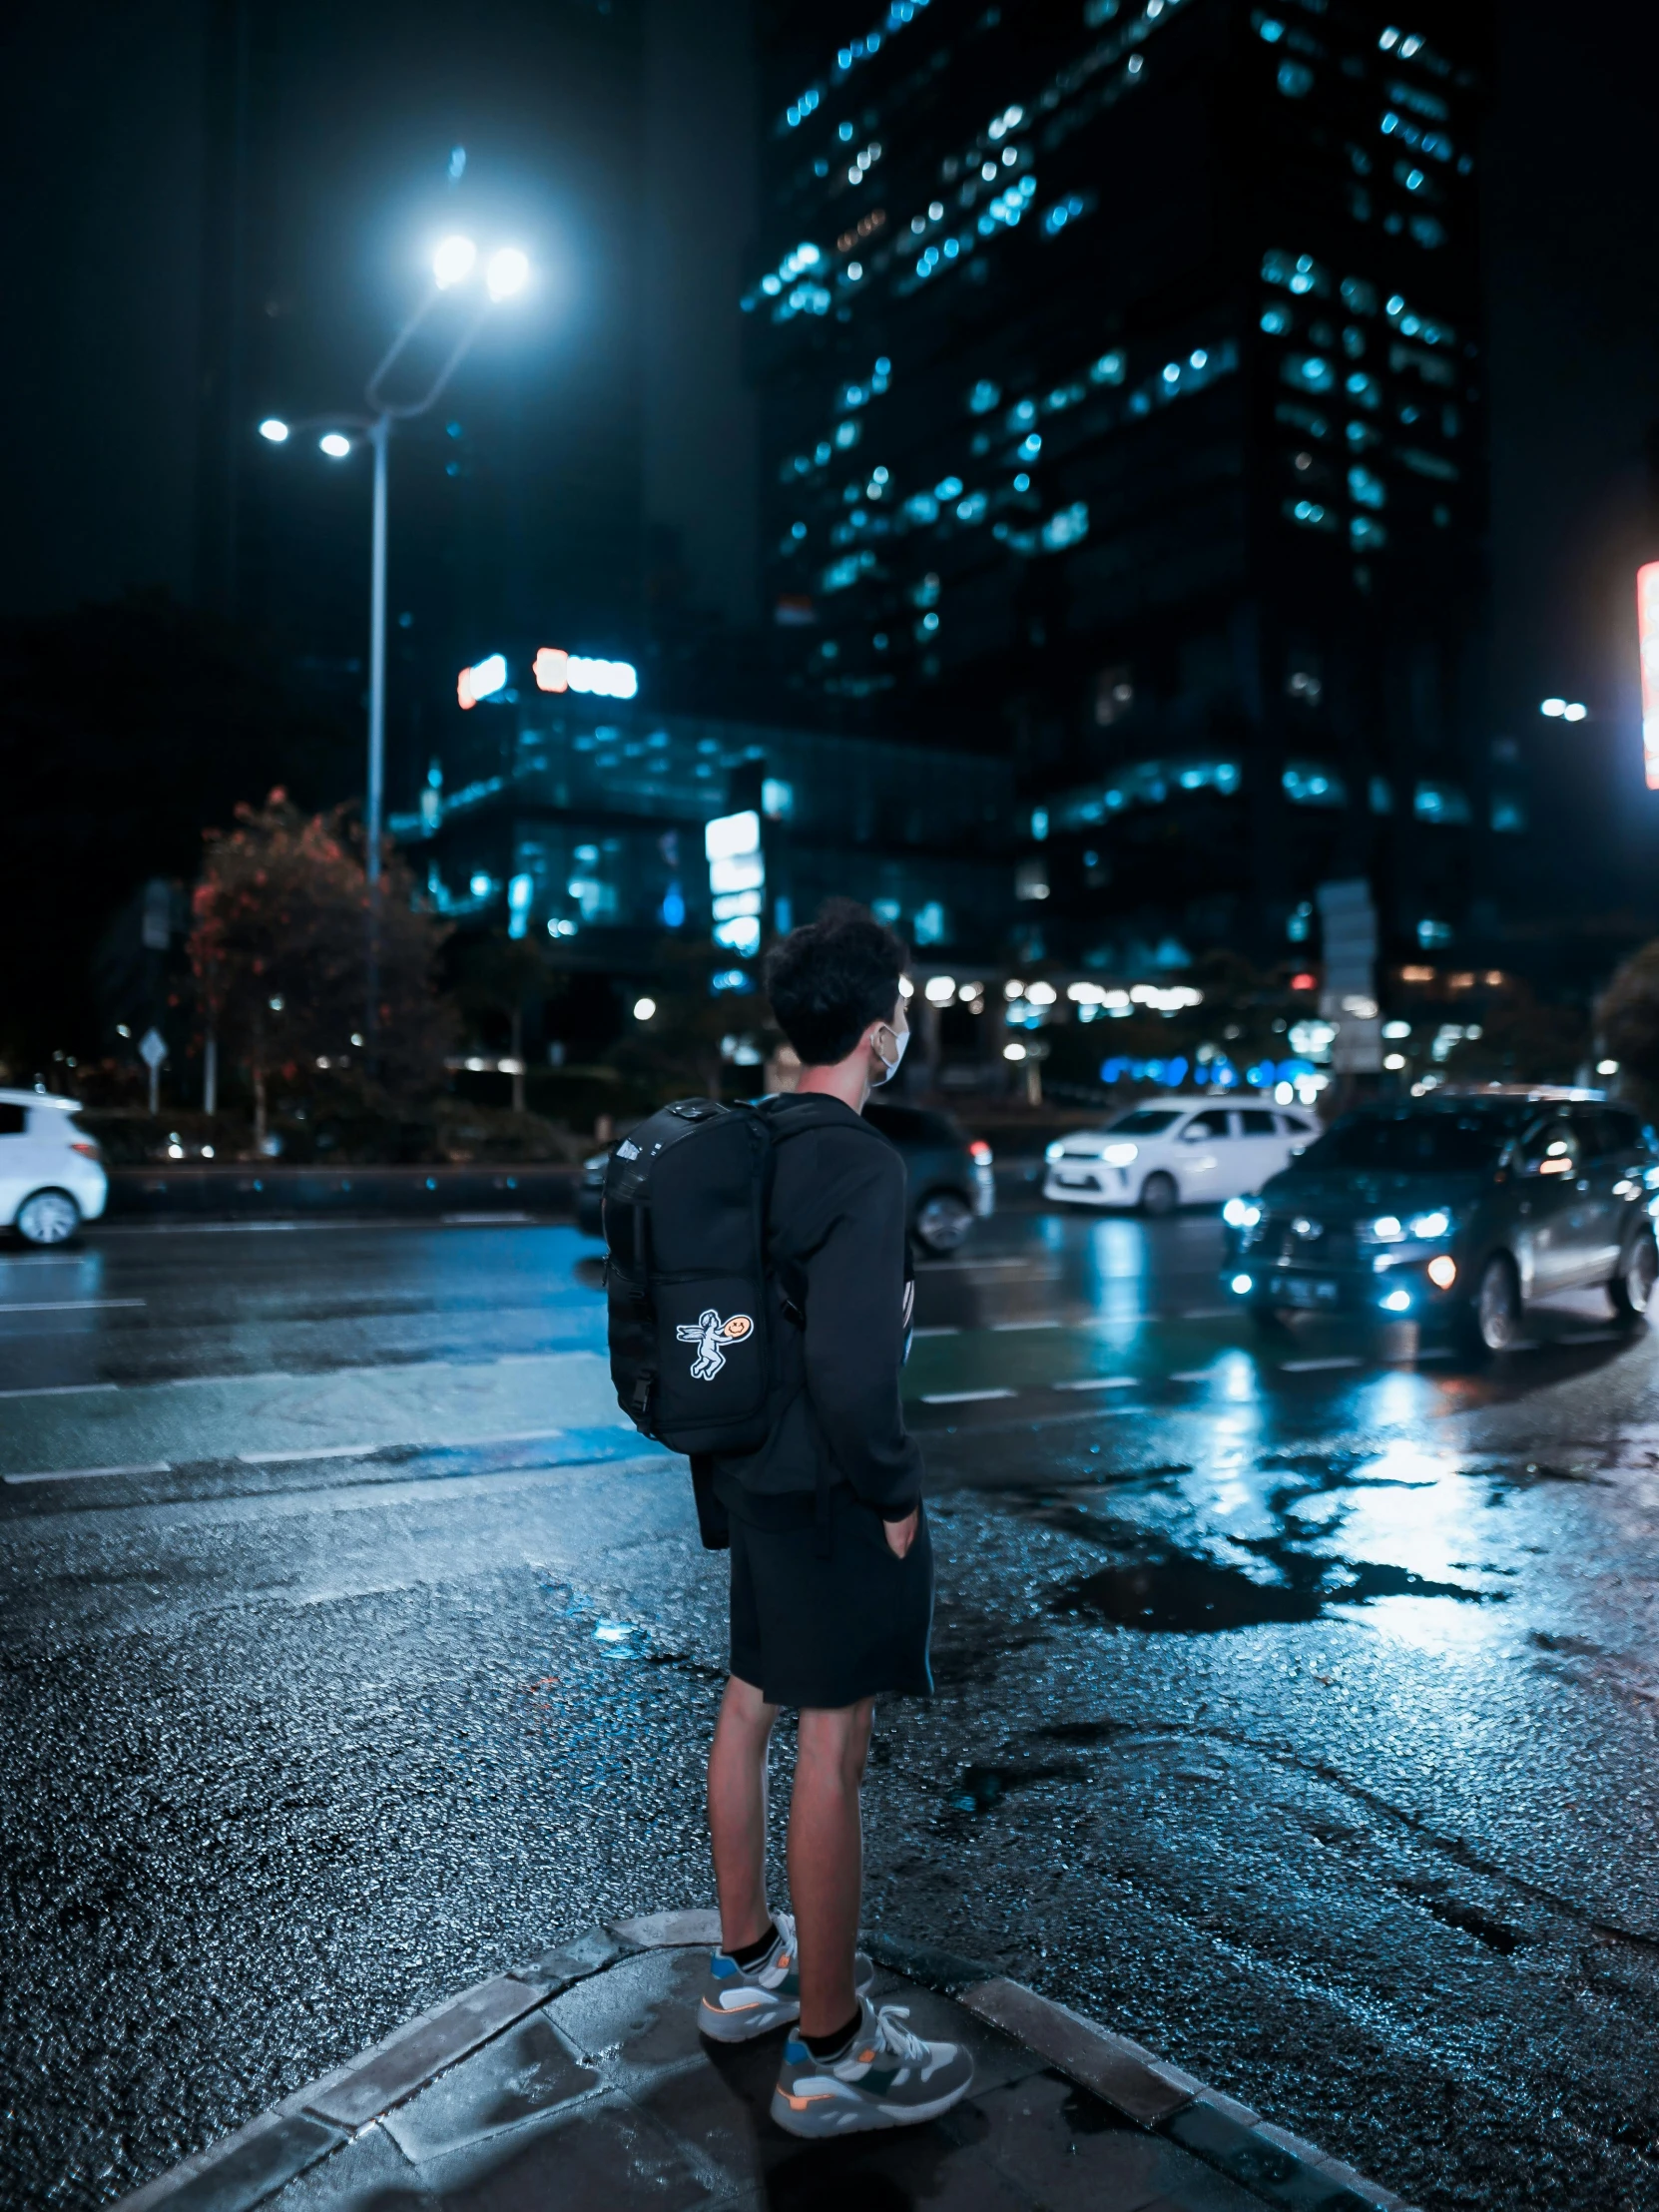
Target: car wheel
1491, 1319
1272, 1321
1159, 1193
942, 1220
1632, 1289
48, 1218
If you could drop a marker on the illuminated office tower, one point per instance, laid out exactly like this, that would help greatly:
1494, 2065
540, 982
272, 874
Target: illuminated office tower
1121, 378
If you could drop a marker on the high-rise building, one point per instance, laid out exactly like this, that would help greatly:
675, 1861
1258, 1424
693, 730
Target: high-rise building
1121, 385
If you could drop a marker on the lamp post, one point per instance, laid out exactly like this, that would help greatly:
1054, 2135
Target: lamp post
506, 273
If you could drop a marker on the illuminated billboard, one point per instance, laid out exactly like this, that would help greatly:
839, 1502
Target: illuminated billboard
737, 881
1647, 632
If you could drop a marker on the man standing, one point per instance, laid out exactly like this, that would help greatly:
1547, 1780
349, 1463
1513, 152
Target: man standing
832, 1567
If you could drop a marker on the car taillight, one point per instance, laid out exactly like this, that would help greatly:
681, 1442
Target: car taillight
86, 1148
981, 1152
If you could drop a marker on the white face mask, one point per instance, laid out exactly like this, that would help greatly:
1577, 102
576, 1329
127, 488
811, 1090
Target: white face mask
901, 1038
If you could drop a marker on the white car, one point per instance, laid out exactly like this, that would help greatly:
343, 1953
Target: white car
51, 1177
1169, 1152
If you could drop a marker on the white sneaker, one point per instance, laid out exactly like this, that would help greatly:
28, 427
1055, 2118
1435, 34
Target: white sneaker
740, 2002
886, 2077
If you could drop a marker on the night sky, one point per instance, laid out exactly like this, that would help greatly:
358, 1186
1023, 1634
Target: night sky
106, 174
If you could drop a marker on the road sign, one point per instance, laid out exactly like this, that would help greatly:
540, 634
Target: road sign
153, 1051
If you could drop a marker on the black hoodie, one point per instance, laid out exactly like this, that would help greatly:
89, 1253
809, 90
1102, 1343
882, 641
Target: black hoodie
841, 1295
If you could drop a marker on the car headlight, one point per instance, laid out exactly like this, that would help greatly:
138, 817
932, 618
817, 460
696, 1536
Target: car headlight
1386, 1229
1436, 1223
1054, 1151
1120, 1154
1241, 1213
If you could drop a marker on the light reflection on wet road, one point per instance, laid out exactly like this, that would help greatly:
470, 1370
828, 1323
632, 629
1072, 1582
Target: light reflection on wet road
1297, 1694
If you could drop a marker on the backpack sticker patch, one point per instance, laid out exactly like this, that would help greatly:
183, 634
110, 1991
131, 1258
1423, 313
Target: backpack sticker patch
713, 1337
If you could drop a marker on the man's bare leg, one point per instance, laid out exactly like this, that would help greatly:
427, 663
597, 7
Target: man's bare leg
827, 1860
738, 1813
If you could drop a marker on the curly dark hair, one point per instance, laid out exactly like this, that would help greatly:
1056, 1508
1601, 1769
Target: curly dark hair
829, 979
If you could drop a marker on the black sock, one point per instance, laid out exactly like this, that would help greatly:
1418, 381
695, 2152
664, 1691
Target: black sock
832, 2046
750, 1954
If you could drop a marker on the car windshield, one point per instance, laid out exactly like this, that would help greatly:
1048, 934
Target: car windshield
1411, 1144
1146, 1121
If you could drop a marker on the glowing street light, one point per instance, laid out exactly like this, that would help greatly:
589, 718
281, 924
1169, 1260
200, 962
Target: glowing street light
1563, 710
508, 273
452, 261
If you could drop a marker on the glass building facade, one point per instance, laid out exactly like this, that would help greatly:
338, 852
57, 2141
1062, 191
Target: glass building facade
1122, 396
586, 821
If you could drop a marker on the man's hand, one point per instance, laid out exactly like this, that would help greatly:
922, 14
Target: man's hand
902, 1535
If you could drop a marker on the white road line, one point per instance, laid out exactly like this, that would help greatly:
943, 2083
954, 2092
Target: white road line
1207, 1313
952, 1332
962, 1398
1194, 1375
315, 1452
71, 1304
1101, 1383
60, 1389
414, 1443
511, 1436
484, 1220
85, 1474
1008, 1327
1317, 1366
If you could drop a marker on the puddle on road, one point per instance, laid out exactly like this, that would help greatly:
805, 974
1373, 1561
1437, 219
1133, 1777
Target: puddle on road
1180, 1593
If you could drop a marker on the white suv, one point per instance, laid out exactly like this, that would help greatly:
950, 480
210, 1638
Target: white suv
1169, 1152
51, 1177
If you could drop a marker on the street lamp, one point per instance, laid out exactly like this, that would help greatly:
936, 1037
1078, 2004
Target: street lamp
453, 260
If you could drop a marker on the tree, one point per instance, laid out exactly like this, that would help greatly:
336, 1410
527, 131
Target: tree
1522, 1040
1628, 1019
503, 977
280, 952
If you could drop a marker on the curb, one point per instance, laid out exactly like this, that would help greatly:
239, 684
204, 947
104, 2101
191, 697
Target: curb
243, 2170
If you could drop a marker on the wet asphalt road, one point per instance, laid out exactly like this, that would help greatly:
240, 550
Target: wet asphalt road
1295, 1709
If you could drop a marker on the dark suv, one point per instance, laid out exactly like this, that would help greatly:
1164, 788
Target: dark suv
948, 1173
1456, 1209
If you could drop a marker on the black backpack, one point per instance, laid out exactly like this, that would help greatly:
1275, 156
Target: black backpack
691, 1314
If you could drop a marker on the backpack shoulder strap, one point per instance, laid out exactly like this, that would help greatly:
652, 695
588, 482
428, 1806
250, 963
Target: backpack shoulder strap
793, 1114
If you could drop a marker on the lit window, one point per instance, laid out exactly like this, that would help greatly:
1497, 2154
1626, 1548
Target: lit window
1066, 527
1295, 80
1313, 783
1311, 372
1366, 488
1440, 802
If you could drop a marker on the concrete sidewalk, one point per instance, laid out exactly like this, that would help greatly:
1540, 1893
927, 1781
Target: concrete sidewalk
581, 2080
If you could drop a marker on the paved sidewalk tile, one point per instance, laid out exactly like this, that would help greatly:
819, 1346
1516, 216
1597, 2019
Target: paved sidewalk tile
588, 2087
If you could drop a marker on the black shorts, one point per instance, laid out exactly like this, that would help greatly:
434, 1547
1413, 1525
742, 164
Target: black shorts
827, 1632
